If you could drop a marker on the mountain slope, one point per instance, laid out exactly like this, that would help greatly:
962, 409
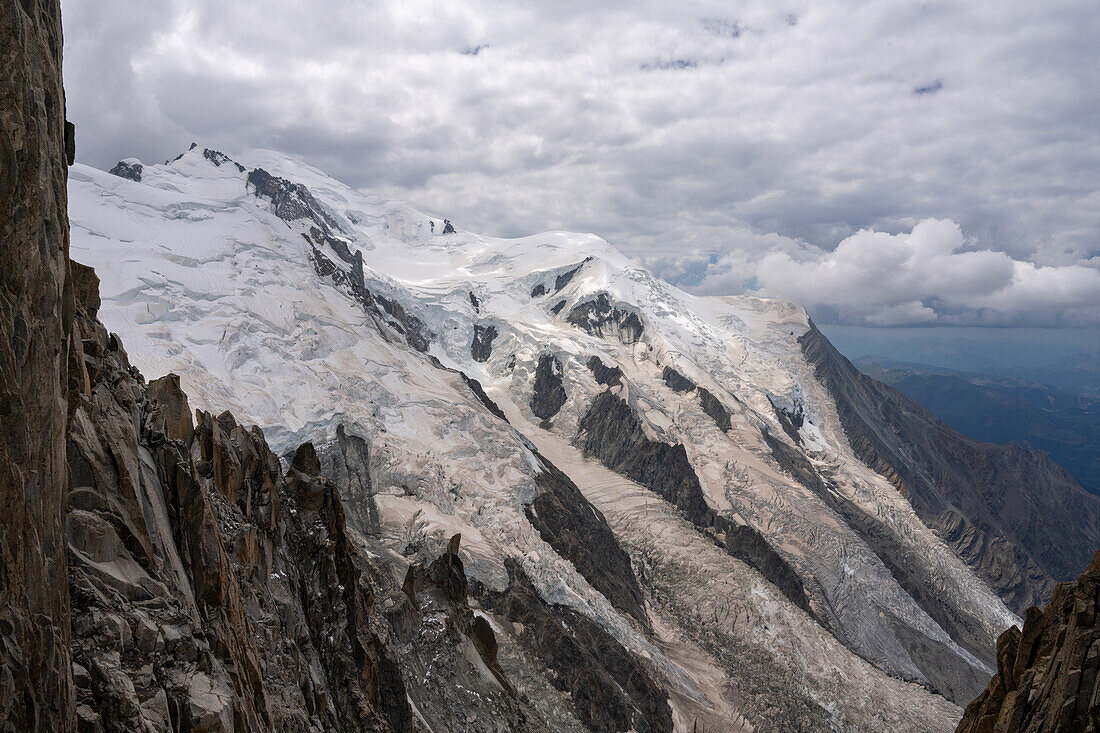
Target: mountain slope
1006, 409
508, 390
1009, 511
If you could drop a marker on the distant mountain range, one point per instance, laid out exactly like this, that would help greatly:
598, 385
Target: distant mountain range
1055, 408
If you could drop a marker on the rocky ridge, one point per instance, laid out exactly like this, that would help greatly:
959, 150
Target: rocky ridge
1048, 672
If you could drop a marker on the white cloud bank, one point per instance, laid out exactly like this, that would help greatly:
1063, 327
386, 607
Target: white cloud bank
928, 276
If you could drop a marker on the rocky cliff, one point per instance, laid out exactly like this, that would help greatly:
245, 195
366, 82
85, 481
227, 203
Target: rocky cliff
1047, 673
35, 322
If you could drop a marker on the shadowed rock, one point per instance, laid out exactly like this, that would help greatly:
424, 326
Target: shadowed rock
748, 545
219, 158
676, 382
291, 201
578, 532
479, 392
714, 409
482, 347
131, 171
612, 433
549, 393
1048, 674
40, 368
609, 376
599, 318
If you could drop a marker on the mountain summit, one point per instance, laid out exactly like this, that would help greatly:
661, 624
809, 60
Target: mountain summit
700, 492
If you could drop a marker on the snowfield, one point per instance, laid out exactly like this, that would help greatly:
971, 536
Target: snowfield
203, 277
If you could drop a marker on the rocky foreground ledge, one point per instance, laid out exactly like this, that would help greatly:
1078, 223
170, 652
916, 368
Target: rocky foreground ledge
1047, 673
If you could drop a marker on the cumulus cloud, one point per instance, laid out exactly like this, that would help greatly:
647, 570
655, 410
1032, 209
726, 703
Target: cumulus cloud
927, 276
685, 133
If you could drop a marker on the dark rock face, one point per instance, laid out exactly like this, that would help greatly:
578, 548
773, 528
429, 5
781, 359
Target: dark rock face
748, 545
549, 394
538, 291
711, 405
219, 158
566, 277
36, 312
578, 532
676, 382
955, 679
131, 171
343, 251
1047, 674
448, 228
611, 432
610, 688
415, 330
482, 347
475, 302
714, 409
790, 420
605, 375
1016, 517
557, 307
390, 319
291, 201
599, 318
479, 392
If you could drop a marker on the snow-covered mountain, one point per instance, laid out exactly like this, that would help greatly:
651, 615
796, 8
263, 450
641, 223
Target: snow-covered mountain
702, 480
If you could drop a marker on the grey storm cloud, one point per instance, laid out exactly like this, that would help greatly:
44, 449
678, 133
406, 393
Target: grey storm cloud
892, 163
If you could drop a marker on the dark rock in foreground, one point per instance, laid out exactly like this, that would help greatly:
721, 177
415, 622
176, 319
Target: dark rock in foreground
36, 304
1047, 674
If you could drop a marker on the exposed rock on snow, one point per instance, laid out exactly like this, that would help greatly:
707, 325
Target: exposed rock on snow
482, 347
600, 318
549, 393
748, 545
129, 168
608, 376
610, 432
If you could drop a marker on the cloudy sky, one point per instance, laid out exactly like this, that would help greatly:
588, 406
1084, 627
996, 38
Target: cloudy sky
885, 164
